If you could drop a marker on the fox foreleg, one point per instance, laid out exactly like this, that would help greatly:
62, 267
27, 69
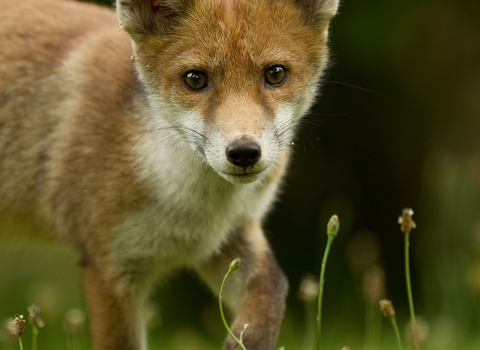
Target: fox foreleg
116, 313
256, 291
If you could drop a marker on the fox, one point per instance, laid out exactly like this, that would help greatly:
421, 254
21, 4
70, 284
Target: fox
155, 136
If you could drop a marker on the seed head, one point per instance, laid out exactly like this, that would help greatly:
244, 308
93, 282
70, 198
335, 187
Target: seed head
387, 309
73, 322
308, 290
245, 327
374, 284
333, 226
405, 220
235, 264
18, 325
6, 333
418, 337
34, 317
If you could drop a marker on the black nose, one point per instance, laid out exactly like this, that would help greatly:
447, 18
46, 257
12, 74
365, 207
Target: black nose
243, 154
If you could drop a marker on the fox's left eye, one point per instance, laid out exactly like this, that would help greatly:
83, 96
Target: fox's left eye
276, 75
195, 80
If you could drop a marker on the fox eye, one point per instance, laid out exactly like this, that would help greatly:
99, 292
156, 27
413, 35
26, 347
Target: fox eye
276, 75
195, 80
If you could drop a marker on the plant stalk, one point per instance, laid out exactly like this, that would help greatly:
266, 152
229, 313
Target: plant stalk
397, 333
409, 287
239, 342
320, 292
20, 342
34, 336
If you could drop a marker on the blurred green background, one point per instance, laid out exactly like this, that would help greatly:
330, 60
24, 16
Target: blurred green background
397, 124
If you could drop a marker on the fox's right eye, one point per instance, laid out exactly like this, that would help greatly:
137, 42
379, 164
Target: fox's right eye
276, 75
195, 80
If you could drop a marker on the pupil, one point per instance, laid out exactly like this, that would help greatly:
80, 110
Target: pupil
195, 80
276, 75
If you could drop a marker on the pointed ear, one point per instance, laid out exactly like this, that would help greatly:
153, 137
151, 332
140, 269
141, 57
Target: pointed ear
320, 12
144, 17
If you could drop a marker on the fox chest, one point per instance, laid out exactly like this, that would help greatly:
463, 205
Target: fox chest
174, 233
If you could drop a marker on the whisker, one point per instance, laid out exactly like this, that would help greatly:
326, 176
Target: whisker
327, 115
353, 86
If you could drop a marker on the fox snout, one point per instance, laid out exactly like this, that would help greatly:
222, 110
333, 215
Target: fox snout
243, 153
241, 141
241, 159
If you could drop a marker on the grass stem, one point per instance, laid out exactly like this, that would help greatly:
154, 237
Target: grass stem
320, 292
309, 325
20, 342
409, 287
34, 336
397, 333
233, 266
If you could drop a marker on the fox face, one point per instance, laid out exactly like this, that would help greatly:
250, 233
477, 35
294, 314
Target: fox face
231, 78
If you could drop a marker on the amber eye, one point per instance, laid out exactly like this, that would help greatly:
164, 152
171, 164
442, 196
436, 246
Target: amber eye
276, 75
195, 80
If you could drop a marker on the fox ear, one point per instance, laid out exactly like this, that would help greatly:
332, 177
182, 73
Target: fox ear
143, 17
320, 12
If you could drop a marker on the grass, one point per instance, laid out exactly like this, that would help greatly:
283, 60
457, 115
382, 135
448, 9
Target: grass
332, 231
342, 328
233, 266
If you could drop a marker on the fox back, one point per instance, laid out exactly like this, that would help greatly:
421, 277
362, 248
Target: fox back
157, 139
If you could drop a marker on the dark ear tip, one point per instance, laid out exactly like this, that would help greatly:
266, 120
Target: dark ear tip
326, 7
147, 17
161, 7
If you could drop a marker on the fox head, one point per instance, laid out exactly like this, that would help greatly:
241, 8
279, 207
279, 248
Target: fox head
232, 77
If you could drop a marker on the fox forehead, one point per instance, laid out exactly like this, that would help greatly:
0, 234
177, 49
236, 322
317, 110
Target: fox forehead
234, 41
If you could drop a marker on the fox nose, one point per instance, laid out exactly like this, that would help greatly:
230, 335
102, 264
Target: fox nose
243, 154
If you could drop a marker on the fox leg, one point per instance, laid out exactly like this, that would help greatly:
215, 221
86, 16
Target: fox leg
256, 291
116, 315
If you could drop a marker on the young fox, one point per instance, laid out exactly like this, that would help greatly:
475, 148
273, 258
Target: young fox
158, 146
